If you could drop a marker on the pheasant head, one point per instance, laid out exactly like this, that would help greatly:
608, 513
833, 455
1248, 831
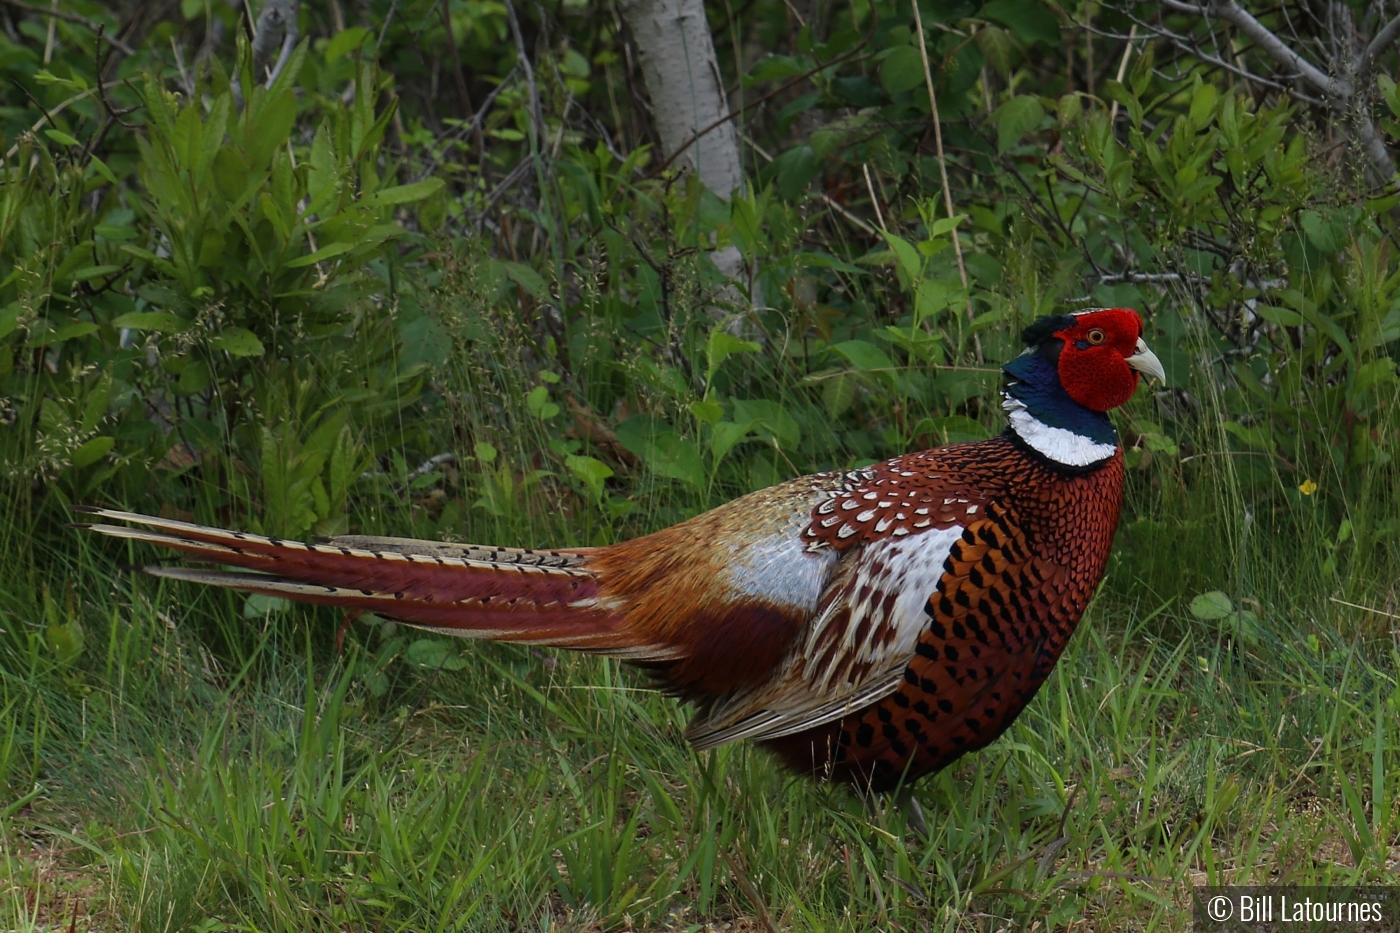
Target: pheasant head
1075, 369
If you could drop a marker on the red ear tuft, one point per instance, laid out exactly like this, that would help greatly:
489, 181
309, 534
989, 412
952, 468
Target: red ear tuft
1092, 366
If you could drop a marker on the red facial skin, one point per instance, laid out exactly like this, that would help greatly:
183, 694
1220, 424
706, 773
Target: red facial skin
1095, 374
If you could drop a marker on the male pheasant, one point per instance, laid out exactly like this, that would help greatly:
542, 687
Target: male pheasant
868, 626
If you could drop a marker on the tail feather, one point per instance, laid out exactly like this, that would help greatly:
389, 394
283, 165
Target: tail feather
502, 594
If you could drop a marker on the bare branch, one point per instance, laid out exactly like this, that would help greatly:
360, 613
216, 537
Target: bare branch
1378, 44
69, 18
1279, 51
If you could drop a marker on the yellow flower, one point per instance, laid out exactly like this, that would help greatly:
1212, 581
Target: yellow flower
1307, 487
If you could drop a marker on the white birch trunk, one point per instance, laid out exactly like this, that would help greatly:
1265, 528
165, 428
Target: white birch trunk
687, 98
683, 81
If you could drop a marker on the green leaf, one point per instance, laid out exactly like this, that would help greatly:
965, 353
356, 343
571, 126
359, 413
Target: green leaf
945, 224
527, 278
405, 194
161, 321
1203, 104
114, 232
593, 473
324, 253
1015, 118
69, 332
259, 605
9, 319
61, 138
1211, 606
995, 46
345, 41
65, 640
1029, 20
1281, 316
434, 653
723, 345
767, 414
902, 69
236, 341
726, 434
92, 451
1255, 437
864, 356
707, 411
838, 394
910, 262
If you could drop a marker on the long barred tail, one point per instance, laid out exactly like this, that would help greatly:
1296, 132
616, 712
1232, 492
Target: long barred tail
502, 594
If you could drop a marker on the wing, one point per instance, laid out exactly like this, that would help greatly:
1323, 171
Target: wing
996, 622
894, 526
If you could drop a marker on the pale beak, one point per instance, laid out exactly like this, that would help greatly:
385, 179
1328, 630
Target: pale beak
1146, 362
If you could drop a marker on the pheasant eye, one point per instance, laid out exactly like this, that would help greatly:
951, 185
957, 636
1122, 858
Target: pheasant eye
1096, 336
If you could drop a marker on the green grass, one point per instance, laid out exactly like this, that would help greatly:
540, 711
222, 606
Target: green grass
196, 768
271, 790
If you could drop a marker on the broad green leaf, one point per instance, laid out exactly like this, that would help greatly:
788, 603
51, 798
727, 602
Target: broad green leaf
707, 411
864, 356
1029, 20
69, 332
944, 224
837, 394
726, 435
434, 653
1256, 437
902, 69
9, 319
1281, 316
161, 321
593, 473
995, 46
345, 41
1015, 118
65, 640
405, 194
1203, 104
767, 414
322, 254
92, 451
236, 341
258, 605
1211, 606
527, 278
910, 262
723, 345
61, 138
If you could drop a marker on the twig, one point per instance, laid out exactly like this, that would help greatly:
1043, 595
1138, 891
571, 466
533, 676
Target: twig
1273, 46
943, 167
383, 29
1379, 612
733, 114
1122, 70
874, 201
827, 199
68, 18
463, 97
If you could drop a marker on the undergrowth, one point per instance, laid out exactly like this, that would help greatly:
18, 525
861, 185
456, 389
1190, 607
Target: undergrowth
301, 309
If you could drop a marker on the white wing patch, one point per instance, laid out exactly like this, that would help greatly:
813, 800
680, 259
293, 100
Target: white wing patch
854, 651
779, 569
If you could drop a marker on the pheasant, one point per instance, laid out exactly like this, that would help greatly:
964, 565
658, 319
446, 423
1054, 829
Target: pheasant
868, 626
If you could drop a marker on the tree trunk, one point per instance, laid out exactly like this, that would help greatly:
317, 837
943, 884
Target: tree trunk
683, 81
688, 110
